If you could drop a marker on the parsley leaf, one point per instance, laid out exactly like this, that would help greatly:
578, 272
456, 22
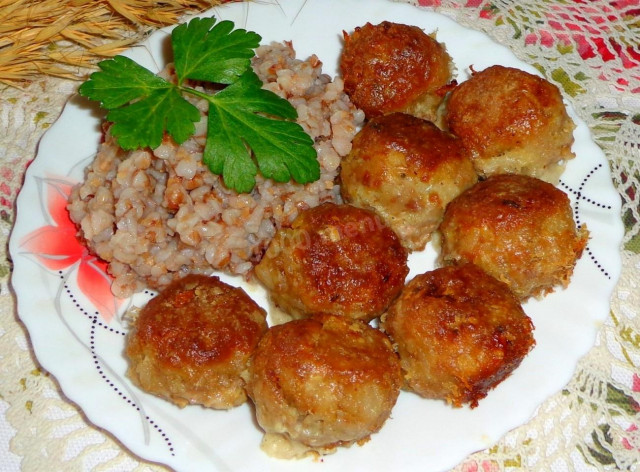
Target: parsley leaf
212, 52
249, 129
162, 109
281, 148
121, 81
142, 105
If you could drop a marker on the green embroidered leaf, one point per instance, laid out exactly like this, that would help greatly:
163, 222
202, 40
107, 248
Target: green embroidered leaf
602, 452
569, 86
621, 400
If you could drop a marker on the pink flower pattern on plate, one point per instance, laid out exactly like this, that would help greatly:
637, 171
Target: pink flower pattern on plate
57, 247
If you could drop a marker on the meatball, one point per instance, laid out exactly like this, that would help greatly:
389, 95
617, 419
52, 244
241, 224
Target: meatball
394, 67
407, 170
322, 382
192, 342
517, 228
459, 333
334, 259
513, 122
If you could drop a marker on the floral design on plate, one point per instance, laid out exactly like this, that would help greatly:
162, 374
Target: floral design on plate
57, 247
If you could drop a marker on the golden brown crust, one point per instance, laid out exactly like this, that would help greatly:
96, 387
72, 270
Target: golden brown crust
513, 122
334, 259
459, 333
517, 228
191, 343
407, 170
393, 67
324, 381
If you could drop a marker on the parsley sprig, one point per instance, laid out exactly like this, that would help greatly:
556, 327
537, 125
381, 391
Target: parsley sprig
249, 129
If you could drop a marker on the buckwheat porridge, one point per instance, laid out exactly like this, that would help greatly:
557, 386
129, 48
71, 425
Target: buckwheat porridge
155, 215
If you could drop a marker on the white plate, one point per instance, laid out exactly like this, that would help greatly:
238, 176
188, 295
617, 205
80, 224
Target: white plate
78, 336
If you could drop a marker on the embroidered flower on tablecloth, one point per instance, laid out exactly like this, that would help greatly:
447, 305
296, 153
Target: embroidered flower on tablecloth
633, 429
56, 247
480, 466
590, 30
6, 193
485, 12
606, 32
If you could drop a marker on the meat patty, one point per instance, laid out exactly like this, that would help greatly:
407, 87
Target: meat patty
394, 67
517, 228
322, 382
513, 122
191, 343
407, 170
334, 259
459, 333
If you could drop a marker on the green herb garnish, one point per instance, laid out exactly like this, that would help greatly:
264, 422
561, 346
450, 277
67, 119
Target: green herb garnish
248, 129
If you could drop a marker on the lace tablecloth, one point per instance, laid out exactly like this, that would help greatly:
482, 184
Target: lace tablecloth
590, 49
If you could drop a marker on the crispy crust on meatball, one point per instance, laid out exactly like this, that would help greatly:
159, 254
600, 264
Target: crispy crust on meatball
322, 382
407, 170
334, 259
459, 333
394, 67
192, 342
517, 228
513, 122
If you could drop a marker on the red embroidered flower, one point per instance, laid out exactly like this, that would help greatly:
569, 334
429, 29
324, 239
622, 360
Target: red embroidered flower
5, 194
635, 386
57, 247
589, 29
480, 466
633, 429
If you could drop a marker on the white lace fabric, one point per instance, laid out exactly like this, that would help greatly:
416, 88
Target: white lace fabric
591, 51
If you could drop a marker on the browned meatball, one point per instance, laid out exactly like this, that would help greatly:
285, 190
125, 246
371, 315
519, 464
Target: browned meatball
517, 228
459, 333
192, 342
334, 259
394, 67
322, 382
513, 122
407, 170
